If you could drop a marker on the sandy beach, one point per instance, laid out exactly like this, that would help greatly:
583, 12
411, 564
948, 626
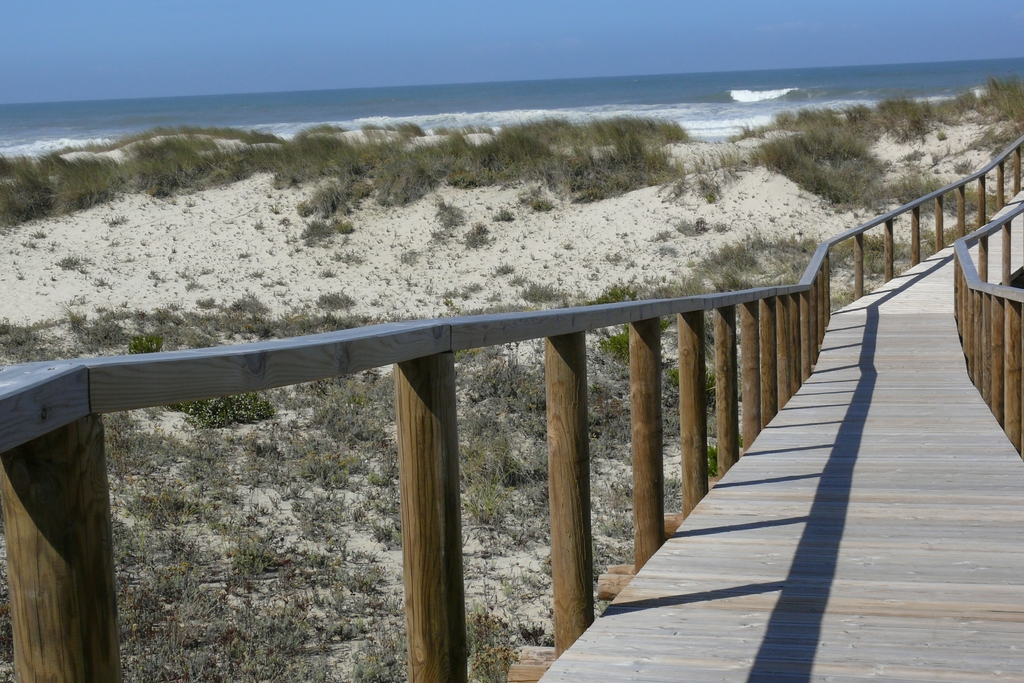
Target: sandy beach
213, 246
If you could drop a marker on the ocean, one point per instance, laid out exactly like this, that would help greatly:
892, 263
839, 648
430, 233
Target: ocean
712, 106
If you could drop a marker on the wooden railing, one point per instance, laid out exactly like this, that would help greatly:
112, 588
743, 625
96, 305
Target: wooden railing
54, 488
989, 318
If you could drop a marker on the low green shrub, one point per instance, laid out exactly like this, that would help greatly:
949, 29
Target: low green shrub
220, 412
146, 343
616, 345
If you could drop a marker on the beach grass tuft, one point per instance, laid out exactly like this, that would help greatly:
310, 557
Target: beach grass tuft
584, 162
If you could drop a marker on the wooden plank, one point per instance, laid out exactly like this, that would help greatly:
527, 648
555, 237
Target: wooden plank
769, 360
60, 556
572, 560
39, 398
904, 567
648, 438
693, 419
784, 351
997, 347
858, 267
915, 236
750, 360
610, 585
129, 382
726, 406
533, 663
505, 328
428, 469
889, 250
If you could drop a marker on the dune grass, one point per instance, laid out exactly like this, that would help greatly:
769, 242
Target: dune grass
585, 162
829, 151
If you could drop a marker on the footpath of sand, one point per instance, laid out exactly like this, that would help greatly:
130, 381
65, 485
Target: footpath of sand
221, 244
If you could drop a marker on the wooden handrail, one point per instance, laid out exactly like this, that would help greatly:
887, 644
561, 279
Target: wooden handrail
989, 315
50, 410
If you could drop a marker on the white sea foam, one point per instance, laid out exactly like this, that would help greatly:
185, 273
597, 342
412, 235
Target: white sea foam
704, 121
38, 148
759, 95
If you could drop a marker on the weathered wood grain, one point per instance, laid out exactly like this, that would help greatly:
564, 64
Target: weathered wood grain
1012, 367
648, 439
750, 360
533, 663
1005, 261
806, 337
128, 382
1000, 185
38, 398
915, 235
982, 198
726, 405
782, 343
572, 560
858, 266
796, 346
428, 470
889, 255
996, 393
768, 346
961, 208
60, 556
693, 420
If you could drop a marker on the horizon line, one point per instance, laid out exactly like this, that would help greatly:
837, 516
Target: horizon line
501, 82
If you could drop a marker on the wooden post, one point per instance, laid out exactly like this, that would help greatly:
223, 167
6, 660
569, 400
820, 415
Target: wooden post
858, 266
983, 258
428, 472
822, 308
769, 356
726, 408
784, 353
645, 411
572, 554
982, 198
977, 340
812, 310
889, 250
985, 348
956, 291
828, 292
940, 238
997, 346
693, 416
796, 354
967, 327
60, 558
805, 336
750, 349
961, 210
1011, 367
1000, 185
915, 235
1016, 172
1006, 263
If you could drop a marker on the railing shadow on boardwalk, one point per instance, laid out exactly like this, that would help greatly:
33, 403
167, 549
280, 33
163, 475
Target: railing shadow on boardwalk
791, 637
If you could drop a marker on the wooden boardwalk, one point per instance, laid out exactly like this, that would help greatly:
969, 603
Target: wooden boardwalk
874, 530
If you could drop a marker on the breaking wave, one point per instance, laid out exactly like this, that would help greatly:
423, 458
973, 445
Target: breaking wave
759, 95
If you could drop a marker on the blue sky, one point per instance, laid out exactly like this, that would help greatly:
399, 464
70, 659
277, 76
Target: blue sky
82, 49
